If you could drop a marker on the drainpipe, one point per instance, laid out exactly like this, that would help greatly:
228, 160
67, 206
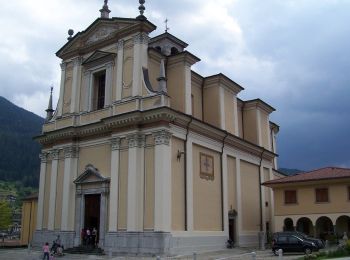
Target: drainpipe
185, 169
222, 183
261, 233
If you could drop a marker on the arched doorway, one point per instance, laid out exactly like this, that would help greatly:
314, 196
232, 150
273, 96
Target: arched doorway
342, 225
324, 228
304, 225
288, 225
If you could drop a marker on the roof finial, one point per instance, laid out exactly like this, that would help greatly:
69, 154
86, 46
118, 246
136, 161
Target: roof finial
166, 25
142, 10
105, 11
49, 110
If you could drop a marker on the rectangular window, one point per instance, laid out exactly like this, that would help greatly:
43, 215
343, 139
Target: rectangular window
99, 90
322, 195
290, 196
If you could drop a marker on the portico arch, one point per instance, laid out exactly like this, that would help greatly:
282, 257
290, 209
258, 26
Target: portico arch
288, 224
324, 227
91, 183
342, 225
305, 225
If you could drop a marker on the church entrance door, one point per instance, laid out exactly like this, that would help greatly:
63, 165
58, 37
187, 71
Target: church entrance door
231, 229
92, 212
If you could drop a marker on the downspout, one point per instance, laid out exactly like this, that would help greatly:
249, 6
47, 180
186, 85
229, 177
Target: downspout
185, 169
222, 183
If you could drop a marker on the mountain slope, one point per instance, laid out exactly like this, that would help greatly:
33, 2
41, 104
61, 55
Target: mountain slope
19, 159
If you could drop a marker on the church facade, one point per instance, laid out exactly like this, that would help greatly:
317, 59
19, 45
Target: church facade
156, 157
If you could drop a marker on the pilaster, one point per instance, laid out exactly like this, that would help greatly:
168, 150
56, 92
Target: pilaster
272, 202
75, 97
87, 80
53, 188
258, 123
189, 185
263, 198
225, 193
135, 182
68, 196
120, 58
235, 116
40, 213
188, 89
63, 79
114, 185
238, 200
222, 108
162, 188
108, 86
140, 60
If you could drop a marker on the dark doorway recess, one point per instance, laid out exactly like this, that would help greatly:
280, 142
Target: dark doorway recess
92, 211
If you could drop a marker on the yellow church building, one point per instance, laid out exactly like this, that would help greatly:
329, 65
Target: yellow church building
158, 158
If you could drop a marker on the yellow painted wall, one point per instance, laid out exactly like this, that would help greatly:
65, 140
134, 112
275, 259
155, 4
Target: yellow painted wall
59, 191
250, 126
127, 71
240, 122
207, 206
176, 86
68, 88
197, 100
153, 72
28, 223
264, 129
306, 199
212, 106
231, 183
123, 186
178, 185
250, 196
99, 156
229, 112
149, 187
47, 194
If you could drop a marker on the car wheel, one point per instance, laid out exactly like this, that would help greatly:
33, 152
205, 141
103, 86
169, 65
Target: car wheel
308, 251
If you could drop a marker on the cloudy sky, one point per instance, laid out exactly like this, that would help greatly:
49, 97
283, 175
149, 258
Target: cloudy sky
293, 54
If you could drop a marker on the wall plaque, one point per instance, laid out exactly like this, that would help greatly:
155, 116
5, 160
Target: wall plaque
206, 166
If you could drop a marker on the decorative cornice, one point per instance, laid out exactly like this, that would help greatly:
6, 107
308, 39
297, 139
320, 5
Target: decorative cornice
141, 38
71, 152
136, 140
162, 137
43, 157
115, 143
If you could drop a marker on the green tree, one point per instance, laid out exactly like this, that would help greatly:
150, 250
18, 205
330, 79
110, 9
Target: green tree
5, 215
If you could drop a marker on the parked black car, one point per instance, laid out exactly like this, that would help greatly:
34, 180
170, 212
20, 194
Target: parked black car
291, 242
318, 242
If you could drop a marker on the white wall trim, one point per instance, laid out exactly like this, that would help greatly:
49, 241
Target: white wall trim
189, 185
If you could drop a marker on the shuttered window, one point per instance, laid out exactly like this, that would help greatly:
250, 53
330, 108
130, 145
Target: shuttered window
322, 195
290, 196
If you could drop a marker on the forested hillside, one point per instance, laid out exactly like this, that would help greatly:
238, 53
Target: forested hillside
19, 153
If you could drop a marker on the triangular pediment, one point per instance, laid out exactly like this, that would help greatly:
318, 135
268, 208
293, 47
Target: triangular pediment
102, 32
91, 175
97, 55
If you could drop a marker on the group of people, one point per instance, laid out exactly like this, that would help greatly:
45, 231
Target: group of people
56, 249
89, 237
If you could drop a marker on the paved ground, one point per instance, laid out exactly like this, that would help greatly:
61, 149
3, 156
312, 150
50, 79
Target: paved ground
234, 254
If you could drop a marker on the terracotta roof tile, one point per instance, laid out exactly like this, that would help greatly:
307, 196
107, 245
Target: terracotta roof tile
319, 174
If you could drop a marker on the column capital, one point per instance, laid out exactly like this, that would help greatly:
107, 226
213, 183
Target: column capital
63, 66
55, 154
71, 151
141, 38
136, 140
162, 137
43, 157
120, 45
115, 143
77, 61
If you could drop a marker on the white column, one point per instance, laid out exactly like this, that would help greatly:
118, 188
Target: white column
114, 184
135, 182
140, 54
87, 77
162, 188
263, 199
91, 93
189, 185
62, 85
225, 191
238, 199
68, 196
53, 188
108, 86
272, 203
40, 213
235, 116
188, 90
120, 59
75, 96
222, 108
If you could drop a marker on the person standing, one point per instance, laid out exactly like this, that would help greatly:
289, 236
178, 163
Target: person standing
46, 250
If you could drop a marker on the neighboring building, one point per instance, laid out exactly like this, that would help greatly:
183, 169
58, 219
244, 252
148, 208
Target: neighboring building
316, 202
157, 157
29, 215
